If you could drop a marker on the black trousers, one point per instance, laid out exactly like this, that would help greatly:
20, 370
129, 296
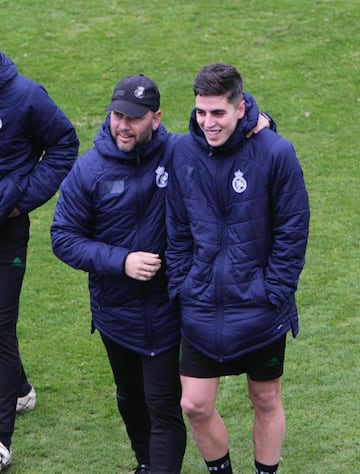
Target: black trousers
148, 396
14, 236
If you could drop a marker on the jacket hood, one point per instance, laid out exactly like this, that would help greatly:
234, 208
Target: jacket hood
247, 123
8, 70
107, 147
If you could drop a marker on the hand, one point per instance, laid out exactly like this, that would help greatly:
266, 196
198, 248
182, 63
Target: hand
263, 122
142, 266
14, 213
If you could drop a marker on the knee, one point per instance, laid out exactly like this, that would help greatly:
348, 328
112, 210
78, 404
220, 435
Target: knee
266, 401
194, 409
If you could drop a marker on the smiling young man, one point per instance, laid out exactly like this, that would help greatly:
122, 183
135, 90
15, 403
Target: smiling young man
237, 221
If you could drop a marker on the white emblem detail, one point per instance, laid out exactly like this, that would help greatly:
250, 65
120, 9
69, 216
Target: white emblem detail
162, 177
1, 124
139, 92
239, 183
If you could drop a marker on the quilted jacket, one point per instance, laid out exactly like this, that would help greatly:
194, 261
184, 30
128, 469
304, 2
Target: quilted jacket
238, 218
113, 203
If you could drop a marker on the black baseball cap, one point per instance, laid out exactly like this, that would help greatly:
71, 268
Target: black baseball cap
134, 96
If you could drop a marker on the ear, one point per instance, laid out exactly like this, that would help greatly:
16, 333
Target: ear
156, 120
241, 109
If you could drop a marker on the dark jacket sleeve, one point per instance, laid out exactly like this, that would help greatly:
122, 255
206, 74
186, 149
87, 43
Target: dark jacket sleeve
180, 247
290, 224
72, 233
54, 136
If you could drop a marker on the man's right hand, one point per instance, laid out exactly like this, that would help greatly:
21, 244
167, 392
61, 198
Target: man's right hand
142, 266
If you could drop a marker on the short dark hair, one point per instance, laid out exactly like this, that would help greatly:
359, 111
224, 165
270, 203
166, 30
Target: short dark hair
219, 79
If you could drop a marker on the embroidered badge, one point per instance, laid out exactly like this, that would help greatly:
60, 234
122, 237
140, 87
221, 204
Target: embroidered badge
139, 92
162, 177
239, 183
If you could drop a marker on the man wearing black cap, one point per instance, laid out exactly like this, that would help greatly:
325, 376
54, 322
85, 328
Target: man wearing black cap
110, 222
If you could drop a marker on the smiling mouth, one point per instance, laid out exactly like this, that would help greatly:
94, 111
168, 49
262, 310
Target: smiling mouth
124, 136
212, 133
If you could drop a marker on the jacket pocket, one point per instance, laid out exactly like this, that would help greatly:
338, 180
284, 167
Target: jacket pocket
10, 194
250, 288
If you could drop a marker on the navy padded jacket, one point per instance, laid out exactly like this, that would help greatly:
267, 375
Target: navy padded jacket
38, 142
113, 203
238, 218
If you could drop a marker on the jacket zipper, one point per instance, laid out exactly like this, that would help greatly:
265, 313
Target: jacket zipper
141, 229
219, 267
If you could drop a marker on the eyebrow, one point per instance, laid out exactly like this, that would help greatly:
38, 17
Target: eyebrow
214, 111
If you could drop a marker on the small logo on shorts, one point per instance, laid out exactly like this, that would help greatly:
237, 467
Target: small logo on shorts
16, 263
273, 362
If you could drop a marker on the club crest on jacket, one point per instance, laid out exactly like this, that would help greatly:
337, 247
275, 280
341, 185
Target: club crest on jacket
239, 183
161, 177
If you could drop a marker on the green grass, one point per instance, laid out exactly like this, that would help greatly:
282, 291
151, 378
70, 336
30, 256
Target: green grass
301, 61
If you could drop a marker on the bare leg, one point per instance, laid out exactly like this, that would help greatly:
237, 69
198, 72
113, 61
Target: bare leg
269, 421
207, 427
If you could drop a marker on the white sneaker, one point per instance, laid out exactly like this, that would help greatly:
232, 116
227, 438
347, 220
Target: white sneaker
27, 402
5, 457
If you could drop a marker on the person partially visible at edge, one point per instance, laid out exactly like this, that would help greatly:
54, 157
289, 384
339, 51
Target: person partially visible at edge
38, 146
110, 222
237, 222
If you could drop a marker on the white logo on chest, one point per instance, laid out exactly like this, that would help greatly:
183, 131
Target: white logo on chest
162, 177
239, 183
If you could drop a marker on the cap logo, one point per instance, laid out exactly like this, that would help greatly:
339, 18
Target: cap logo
139, 92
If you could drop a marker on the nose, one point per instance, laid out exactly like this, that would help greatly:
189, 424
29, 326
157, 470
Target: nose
208, 121
123, 122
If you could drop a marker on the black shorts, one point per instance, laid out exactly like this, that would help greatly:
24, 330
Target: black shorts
264, 364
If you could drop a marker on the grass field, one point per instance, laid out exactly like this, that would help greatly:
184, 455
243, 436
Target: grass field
301, 61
